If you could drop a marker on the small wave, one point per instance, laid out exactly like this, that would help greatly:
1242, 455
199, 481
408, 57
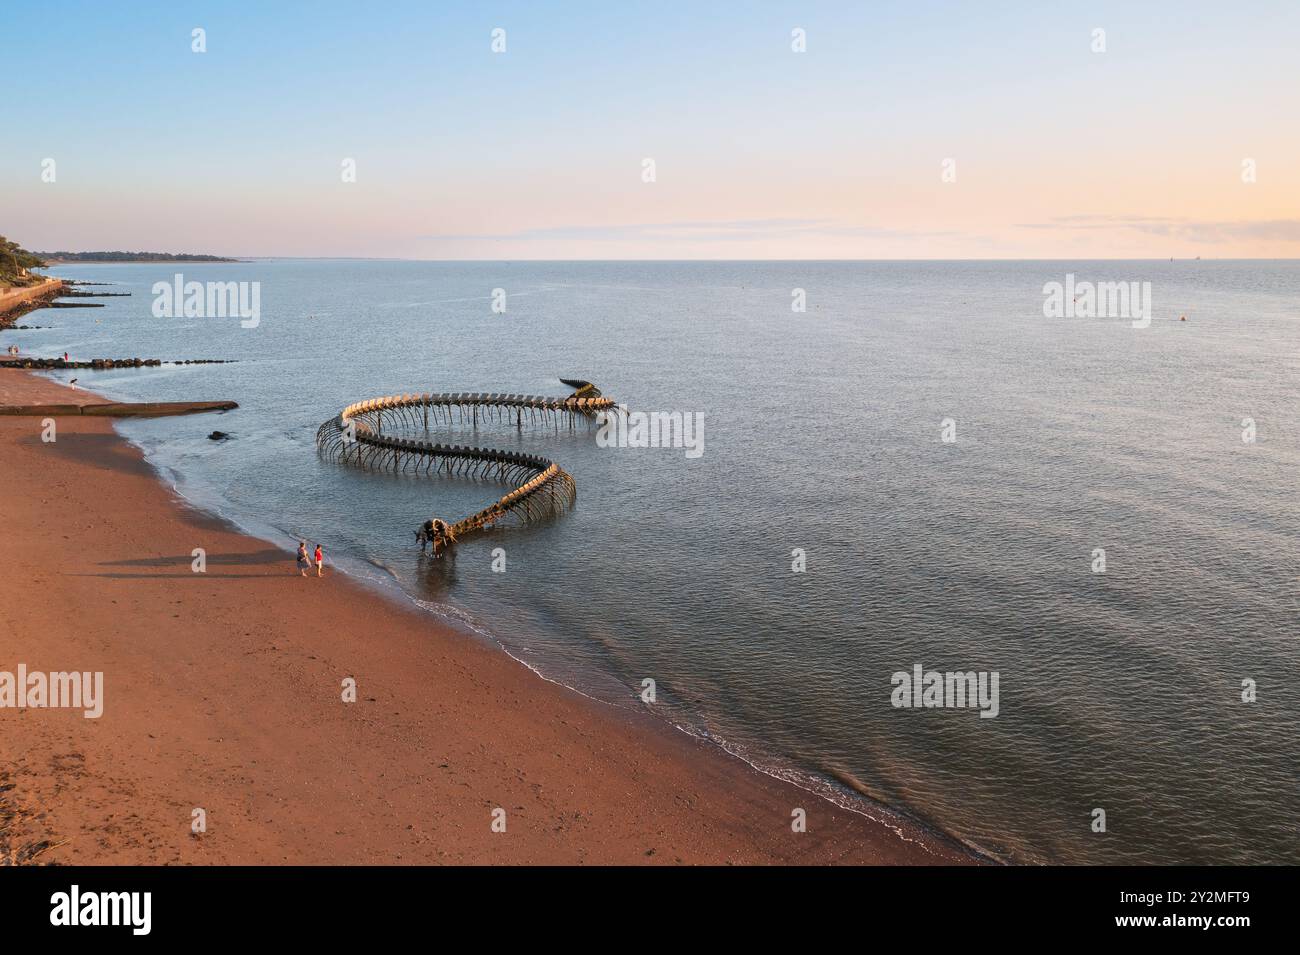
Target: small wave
853, 796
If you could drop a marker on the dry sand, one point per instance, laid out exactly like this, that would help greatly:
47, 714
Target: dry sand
223, 692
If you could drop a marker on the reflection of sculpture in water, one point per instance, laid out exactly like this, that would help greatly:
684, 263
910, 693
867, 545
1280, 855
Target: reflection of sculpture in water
436, 576
356, 435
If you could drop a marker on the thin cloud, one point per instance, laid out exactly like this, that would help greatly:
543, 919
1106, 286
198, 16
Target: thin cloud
1191, 230
742, 230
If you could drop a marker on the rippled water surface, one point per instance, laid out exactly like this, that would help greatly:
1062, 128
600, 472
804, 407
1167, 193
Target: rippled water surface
1119, 691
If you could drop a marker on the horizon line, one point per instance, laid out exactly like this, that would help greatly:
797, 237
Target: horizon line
384, 258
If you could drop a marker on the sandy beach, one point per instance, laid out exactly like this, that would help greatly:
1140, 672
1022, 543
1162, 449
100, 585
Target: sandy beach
223, 692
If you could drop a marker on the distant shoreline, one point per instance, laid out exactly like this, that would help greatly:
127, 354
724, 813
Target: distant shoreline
127, 258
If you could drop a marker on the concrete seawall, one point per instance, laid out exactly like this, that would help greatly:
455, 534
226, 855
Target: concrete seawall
12, 298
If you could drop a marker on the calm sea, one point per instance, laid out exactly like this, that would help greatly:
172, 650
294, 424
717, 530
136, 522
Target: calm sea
824, 433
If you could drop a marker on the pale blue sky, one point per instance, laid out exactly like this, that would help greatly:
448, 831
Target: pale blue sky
759, 151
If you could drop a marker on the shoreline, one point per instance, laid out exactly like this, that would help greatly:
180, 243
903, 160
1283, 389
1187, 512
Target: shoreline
445, 726
384, 586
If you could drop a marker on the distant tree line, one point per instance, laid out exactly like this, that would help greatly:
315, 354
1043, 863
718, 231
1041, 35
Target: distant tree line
14, 263
130, 257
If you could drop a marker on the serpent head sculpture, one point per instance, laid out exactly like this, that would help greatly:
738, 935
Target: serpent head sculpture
356, 436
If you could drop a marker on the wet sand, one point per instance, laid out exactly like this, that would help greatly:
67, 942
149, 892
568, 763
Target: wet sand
223, 692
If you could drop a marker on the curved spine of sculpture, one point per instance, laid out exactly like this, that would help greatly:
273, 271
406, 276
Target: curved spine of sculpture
356, 435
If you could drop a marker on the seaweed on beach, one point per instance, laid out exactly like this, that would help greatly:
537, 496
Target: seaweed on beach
17, 847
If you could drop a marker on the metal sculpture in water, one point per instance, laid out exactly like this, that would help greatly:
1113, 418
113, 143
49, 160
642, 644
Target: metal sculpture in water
356, 436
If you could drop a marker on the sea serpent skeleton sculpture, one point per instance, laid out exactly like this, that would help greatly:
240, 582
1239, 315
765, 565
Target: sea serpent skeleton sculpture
356, 436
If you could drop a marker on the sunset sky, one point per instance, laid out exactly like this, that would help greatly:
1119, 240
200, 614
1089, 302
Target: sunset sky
759, 151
